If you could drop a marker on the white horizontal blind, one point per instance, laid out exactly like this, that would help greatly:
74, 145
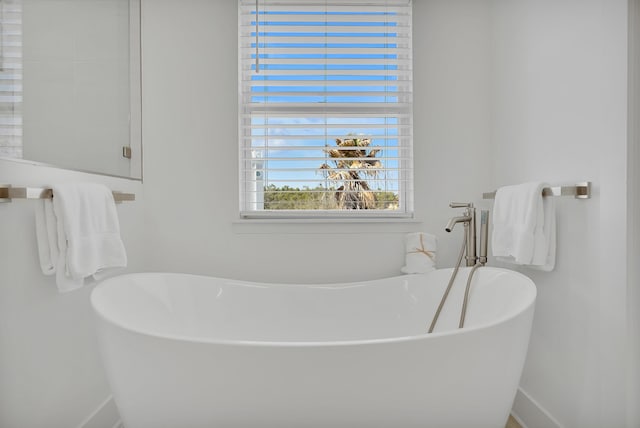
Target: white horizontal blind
326, 108
11, 78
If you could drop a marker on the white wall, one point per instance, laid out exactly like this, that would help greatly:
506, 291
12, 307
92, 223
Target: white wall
559, 103
451, 114
50, 372
633, 192
191, 173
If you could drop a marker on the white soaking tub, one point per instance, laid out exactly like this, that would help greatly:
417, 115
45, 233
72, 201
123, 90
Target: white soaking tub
185, 351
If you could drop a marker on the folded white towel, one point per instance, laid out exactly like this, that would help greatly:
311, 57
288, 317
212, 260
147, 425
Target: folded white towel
78, 234
420, 256
88, 216
524, 226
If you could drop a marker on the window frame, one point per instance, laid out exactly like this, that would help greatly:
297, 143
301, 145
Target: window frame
247, 171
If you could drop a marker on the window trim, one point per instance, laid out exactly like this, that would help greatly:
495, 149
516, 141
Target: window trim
405, 178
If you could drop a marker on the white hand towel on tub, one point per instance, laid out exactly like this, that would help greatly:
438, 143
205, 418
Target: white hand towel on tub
420, 256
88, 233
524, 226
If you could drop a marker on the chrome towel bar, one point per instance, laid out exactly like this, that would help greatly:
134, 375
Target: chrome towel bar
579, 191
7, 193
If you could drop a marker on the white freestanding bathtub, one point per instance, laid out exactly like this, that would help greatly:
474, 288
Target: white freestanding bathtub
185, 351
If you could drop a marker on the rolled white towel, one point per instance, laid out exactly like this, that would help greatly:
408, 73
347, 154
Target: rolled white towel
420, 256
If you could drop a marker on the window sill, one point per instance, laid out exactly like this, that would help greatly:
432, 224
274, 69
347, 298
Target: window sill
326, 225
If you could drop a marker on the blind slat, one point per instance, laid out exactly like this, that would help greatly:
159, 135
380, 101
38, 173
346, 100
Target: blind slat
301, 72
353, 60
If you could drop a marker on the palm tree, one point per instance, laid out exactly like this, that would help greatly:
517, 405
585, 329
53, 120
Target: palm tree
351, 159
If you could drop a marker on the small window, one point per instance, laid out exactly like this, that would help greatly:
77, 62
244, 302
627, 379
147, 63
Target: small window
325, 108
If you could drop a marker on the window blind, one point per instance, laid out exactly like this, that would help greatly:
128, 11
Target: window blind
11, 78
325, 108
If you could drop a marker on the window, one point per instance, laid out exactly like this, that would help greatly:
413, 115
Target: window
325, 108
11, 78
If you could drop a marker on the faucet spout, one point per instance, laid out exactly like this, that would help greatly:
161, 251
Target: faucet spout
454, 220
469, 220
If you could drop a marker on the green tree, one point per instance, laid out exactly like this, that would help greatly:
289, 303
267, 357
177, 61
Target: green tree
294, 198
320, 197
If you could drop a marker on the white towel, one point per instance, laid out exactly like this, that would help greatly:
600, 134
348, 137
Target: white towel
544, 257
47, 236
79, 234
524, 226
420, 255
64, 280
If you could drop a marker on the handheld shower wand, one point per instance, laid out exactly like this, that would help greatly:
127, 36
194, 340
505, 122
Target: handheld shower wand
484, 237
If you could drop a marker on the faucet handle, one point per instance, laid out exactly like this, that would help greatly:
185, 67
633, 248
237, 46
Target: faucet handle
461, 205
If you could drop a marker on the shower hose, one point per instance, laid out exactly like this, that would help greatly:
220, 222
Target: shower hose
451, 281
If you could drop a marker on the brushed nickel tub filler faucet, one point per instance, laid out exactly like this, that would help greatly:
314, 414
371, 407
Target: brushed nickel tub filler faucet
474, 258
473, 255
468, 218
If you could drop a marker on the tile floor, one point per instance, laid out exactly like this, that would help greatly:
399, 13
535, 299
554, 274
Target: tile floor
512, 423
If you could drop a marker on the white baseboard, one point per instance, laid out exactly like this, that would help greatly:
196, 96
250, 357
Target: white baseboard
105, 416
529, 413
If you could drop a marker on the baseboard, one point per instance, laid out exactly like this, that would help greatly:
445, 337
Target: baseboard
526, 411
529, 413
105, 416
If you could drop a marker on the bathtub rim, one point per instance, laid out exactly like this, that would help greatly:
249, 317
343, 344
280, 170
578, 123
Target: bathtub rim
307, 344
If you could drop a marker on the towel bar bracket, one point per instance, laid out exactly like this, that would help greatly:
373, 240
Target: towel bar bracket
583, 190
4, 193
